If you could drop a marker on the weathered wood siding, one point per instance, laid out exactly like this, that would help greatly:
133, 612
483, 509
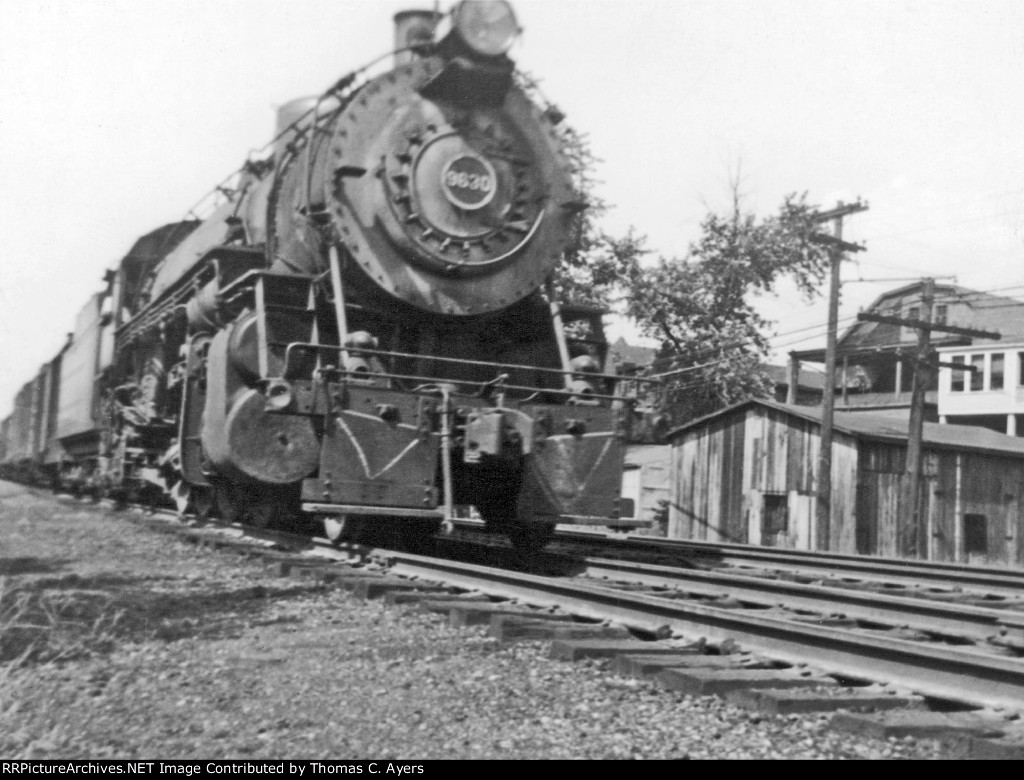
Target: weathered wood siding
723, 472
991, 486
843, 525
942, 516
730, 475
706, 470
953, 484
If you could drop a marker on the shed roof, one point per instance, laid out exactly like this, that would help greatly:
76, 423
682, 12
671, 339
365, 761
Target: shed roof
881, 427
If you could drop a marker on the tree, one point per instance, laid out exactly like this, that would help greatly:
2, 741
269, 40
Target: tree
591, 270
713, 340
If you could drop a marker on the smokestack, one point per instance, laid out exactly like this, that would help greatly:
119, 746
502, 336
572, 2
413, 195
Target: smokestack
412, 28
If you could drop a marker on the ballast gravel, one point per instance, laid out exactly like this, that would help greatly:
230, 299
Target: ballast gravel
117, 642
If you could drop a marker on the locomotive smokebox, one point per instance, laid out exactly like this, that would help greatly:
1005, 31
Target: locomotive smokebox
413, 28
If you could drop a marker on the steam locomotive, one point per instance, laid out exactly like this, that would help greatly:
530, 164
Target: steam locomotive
364, 331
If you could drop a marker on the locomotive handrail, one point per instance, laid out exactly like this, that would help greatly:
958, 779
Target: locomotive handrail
341, 84
561, 392
421, 356
462, 361
533, 390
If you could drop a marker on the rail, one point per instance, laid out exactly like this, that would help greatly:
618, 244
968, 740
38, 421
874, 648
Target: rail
960, 673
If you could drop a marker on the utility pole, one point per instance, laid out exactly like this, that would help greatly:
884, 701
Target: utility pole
823, 514
915, 530
913, 536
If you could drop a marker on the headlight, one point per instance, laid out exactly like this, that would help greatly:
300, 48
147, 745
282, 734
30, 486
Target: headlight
488, 27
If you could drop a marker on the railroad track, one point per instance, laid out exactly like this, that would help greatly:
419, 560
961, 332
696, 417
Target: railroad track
983, 587
793, 634
850, 570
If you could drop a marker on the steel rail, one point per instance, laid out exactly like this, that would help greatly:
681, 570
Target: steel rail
922, 614
943, 671
948, 574
958, 673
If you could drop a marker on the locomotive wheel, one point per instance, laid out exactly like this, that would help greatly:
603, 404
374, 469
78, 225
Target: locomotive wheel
259, 516
228, 507
193, 498
341, 529
203, 501
527, 538
417, 534
180, 494
269, 511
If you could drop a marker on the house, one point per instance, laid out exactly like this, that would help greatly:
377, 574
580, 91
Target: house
874, 360
992, 395
626, 358
810, 385
749, 474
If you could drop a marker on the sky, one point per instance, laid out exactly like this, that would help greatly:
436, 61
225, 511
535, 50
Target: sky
119, 115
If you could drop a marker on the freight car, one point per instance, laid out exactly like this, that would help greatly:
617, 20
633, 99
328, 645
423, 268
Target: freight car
364, 330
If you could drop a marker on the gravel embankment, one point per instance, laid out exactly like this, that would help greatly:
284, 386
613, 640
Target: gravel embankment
147, 647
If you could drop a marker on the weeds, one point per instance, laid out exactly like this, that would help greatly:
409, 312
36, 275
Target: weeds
41, 626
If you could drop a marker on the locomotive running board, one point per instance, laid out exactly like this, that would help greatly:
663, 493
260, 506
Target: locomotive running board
378, 511
436, 514
613, 522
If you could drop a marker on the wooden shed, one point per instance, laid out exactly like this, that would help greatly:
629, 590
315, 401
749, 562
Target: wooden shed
749, 474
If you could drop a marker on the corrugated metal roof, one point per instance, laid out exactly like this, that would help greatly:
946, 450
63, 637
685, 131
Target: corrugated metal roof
866, 425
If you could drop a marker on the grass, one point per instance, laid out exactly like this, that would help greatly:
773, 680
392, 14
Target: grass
40, 625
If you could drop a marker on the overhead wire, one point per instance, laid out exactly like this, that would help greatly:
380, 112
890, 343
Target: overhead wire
821, 329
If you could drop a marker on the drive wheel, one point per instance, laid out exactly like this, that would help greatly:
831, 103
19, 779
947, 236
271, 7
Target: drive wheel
197, 499
527, 538
203, 501
342, 529
418, 535
228, 506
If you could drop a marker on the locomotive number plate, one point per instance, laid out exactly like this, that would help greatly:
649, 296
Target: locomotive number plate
469, 181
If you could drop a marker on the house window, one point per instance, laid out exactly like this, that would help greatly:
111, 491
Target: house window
978, 376
941, 312
956, 383
1020, 369
975, 535
775, 518
996, 371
